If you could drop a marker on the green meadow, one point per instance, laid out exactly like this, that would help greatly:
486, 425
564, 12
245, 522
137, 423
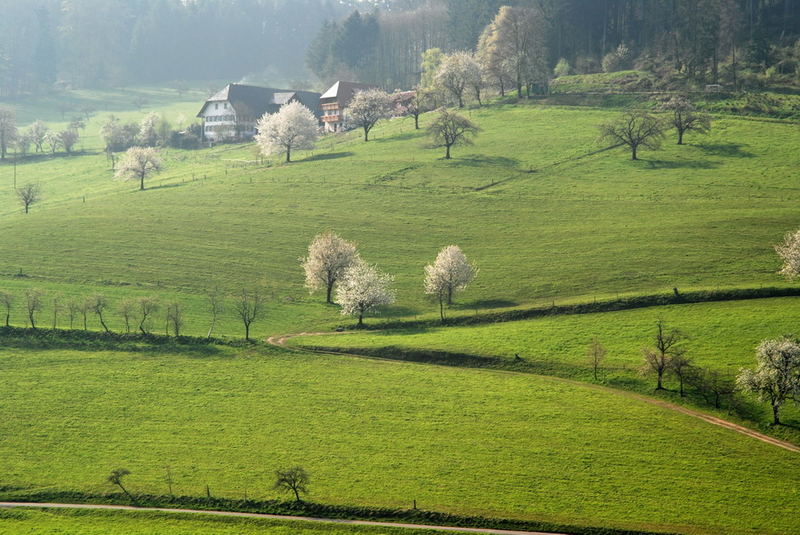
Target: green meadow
545, 217
382, 434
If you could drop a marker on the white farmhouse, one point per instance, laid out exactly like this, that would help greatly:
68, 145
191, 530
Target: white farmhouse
232, 113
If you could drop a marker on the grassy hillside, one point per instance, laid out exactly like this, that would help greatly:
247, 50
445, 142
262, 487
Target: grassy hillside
64, 522
564, 452
701, 215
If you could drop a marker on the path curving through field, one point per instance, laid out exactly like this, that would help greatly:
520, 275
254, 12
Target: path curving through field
280, 341
285, 518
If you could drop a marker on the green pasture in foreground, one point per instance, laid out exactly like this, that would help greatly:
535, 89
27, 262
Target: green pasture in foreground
696, 216
383, 434
721, 336
65, 522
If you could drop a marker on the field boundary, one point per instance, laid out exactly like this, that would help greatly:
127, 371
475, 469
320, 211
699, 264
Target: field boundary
412, 519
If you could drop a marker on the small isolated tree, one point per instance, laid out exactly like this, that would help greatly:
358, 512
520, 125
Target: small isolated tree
776, 377
415, 107
33, 305
175, 318
127, 309
68, 138
450, 129
596, 354
666, 347
28, 195
789, 252
686, 118
328, 258
292, 127
116, 477
216, 305
635, 129
451, 272
363, 289
138, 163
148, 307
53, 141
98, 304
7, 302
367, 108
248, 305
293, 480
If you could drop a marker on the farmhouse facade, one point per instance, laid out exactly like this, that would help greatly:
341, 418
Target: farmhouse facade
233, 112
334, 102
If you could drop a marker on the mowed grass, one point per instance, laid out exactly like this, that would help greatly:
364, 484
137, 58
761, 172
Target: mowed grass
720, 336
64, 522
383, 434
697, 216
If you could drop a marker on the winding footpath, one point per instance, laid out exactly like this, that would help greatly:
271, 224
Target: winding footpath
264, 516
280, 341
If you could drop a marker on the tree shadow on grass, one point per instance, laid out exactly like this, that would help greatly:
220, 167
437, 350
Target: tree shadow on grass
730, 150
328, 156
486, 304
481, 161
679, 164
414, 134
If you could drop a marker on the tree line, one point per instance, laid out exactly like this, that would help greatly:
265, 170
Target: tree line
737, 42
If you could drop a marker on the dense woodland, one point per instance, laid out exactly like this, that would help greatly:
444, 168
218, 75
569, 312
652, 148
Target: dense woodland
100, 43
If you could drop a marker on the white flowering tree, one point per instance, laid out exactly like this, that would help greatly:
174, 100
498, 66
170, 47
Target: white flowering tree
138, 163
458, 72
776, 377
328, 257
148, 130
789, 252
367, 108
292, 127
363, 289
451, 272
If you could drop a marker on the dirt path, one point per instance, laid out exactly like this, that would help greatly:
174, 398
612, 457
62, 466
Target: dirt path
451, 529
280, 341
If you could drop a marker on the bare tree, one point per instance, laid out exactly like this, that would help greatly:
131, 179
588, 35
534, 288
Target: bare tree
98, 304
367, 108
68, 138
73, 309
658, 359
710, 384
148, 306
84, 310
776, 377
450, 129
248, 306
56, 302
293, 480
138, 163
686, 118
7, 300
8, 130
635, 129
175, 318
28, 195
33, 305
115, 478
127, 309
216, 306
53, 141
328, 257
596, 354
681, 365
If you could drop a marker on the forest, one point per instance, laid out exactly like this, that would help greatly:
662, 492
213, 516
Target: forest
47, 44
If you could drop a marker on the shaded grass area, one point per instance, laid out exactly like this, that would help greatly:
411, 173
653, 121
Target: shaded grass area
381, 434
721, 336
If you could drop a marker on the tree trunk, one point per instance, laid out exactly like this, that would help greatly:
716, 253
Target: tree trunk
33, 322
633, 153
460, 101
26, 207
447, 154
775, 417
103, 323
502, 88
416, 122
247, 331
680, 388
288, 154
296, 494
659, 385
366, 134
330, 291
126, 492
8, 319
680, 136
141, 182
360, 319
449, 295
441, 307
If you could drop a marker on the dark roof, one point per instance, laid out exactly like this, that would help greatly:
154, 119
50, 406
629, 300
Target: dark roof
260, 100
343, 92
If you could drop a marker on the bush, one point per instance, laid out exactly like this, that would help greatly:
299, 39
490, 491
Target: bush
618, 60
562, 68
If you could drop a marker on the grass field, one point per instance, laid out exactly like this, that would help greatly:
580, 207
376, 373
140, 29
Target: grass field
63, 522
720, 336
702, 215
456, 440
